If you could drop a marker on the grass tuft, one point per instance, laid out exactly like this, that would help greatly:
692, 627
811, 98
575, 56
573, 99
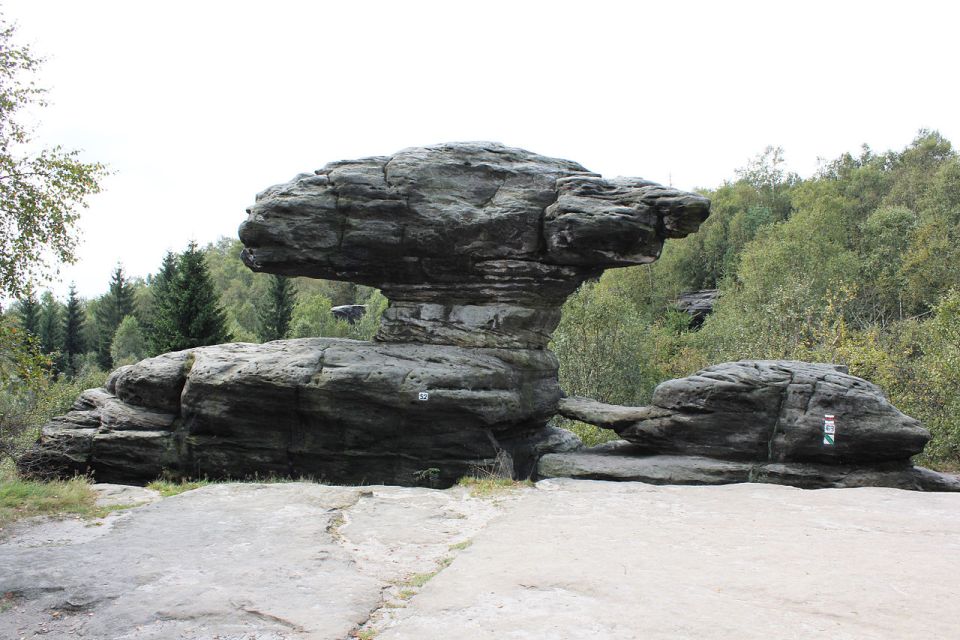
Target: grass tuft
589, 434
460, 546
26, 498
490, 486
168, 488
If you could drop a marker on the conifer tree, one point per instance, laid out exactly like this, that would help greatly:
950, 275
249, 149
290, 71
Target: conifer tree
114, 306
73, 342
200, 319
50, 324
186, 308
162, 326
274, 317
29, 311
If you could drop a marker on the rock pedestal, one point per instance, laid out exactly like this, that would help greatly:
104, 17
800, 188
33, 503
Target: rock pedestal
476, 245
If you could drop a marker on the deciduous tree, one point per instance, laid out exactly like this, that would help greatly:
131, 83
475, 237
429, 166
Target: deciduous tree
41, 190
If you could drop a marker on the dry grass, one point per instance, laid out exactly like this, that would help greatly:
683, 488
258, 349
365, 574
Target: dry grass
25, 498
491, 486
168, 488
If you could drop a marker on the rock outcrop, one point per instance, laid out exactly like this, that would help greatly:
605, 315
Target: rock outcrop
339, 410
476, 245
698, 304
350, 313
797, 423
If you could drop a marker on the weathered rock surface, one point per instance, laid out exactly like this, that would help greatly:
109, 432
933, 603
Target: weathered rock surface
474, 244
698, 304
764, 410
568, 559
624, 461
340, 410
755, 421
269, 562
349, 312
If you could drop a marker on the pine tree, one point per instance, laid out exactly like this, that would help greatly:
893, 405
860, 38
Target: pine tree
29, 311
274, 316
162, 326
73, 342
50, 324
200, 319
114, 306
186, 309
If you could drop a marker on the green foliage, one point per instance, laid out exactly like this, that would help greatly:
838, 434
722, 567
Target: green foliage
23, 374
606, 348
163, 308
51, 324
490, 486
28, 310
41, 190
857, 265
24, 499
939, 389
312, 317
186, 310
74, 343
128, 344
113, 307
276, 314
168, 488
200, 319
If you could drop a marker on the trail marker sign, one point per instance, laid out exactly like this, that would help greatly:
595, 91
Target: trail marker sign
829, 429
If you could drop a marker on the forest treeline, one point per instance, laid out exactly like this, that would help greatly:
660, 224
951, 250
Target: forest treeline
858, 264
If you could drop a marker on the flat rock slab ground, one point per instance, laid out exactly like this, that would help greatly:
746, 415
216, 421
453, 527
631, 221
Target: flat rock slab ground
565, 559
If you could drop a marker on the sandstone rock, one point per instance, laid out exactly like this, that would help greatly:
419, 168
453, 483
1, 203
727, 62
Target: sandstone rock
349, 312
624, 461
474, 244
341, 410
698, 304
771, 411
754, 421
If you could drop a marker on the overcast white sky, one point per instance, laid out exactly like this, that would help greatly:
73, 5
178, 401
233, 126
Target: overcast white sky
197, 106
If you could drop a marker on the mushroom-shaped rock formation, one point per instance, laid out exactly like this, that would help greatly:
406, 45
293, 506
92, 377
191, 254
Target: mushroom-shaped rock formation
476, 245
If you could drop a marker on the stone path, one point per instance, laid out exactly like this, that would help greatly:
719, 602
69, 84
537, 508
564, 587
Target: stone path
567, 559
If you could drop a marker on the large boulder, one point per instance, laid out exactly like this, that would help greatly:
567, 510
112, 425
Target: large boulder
626, 462
332, 409
769, 410
797, 423
476, 245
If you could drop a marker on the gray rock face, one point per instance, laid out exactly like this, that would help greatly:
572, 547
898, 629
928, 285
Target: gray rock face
340, 410
271, 562
475, 244
349, 312
764, 410
698, 304
624, 461
755, 421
